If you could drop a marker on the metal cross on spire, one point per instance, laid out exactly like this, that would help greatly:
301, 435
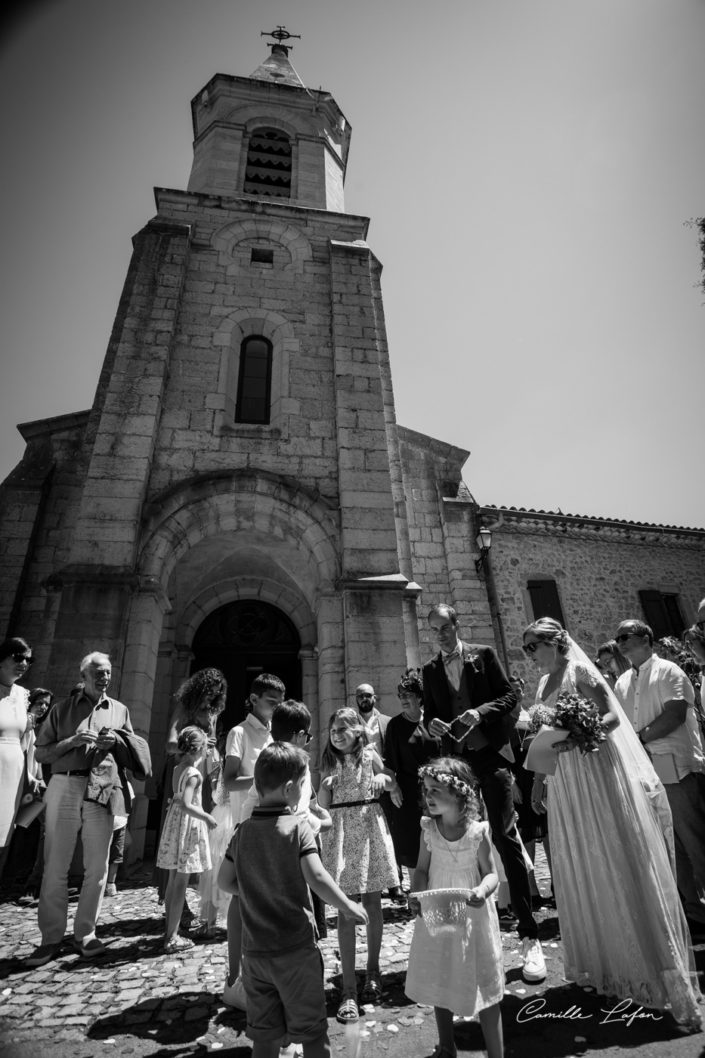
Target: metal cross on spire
281, 34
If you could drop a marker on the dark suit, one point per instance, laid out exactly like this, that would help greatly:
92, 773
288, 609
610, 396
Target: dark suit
487, 750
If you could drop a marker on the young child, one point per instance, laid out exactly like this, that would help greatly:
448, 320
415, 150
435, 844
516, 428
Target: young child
459, 972
183, 849
357, 850
244, 744
291, 722
271, 860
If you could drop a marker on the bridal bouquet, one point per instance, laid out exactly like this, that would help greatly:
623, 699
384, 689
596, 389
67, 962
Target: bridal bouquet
576, 715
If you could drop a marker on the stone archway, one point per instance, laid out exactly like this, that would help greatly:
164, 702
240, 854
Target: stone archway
243, 639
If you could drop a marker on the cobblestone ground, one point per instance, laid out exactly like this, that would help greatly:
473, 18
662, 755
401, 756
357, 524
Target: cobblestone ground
139, 1001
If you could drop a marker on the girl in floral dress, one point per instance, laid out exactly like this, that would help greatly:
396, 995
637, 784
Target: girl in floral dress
459, 971
357, 850
184, 848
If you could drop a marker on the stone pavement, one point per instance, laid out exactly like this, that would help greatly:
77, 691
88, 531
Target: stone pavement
139, 1001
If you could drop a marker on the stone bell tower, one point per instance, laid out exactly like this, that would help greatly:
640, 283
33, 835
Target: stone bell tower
234, 495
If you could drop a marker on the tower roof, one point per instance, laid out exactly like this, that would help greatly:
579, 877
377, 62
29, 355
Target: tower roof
277, 68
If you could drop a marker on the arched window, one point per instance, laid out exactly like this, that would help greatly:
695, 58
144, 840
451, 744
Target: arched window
254, 383
268, 169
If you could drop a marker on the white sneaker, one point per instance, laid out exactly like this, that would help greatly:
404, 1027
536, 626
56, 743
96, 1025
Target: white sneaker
234, 994
534, 968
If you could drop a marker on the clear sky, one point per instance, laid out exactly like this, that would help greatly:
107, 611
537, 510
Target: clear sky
528, 166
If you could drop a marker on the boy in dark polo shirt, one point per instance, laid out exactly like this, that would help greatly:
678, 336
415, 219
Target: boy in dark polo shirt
271, 861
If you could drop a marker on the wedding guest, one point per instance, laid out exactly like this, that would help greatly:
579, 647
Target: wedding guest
15, 729
408, 746
198, 702
375, 723
623, 929
658, 699
467, 703
533, 826
86, 738
611, 662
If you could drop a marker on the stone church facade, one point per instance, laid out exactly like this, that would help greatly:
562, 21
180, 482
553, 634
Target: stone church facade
240, 493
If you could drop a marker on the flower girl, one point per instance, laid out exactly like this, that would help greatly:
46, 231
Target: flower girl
457, 970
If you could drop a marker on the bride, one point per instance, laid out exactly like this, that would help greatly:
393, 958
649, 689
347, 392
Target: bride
621, 921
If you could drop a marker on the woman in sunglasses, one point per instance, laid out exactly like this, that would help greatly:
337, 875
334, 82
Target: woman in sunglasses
623, 929
15, 732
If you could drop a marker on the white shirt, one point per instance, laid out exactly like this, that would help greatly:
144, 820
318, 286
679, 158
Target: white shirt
372, 728
643, 693
246, 741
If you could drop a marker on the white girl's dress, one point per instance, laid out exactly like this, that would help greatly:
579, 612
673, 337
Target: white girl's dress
460, 970
184, 843
358, 850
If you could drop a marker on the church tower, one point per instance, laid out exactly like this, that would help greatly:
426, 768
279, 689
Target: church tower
234, 496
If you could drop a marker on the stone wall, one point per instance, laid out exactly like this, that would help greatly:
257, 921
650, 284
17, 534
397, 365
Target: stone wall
442, 523
599, 567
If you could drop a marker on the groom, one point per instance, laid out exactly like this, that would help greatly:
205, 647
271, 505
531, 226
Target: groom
467, 704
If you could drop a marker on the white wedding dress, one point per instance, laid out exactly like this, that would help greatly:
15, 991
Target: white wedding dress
621, 921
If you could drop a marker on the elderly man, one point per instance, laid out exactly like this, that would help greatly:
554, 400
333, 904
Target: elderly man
468, 705
88, 740
658, 699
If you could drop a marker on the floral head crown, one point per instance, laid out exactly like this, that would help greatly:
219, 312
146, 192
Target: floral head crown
446, 779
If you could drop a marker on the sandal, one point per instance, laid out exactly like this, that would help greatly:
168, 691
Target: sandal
176, 945
204, 932
347, 1011
372, 989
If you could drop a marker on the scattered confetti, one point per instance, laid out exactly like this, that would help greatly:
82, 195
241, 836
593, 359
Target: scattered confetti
216, 1045
111, 1040
7, 991
392, 1028
521, 991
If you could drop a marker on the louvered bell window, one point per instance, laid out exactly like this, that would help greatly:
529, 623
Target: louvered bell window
268, 164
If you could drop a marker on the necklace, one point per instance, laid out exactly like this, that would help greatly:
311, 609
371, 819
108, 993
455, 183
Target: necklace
447, 842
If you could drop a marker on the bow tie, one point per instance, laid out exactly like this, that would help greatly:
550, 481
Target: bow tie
457, 653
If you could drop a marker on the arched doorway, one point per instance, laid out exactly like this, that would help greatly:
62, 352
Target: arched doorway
243, 639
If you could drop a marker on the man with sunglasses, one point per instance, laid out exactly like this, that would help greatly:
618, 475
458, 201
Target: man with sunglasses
658, 699
468, 706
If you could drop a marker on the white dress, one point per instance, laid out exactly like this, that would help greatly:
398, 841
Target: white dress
184, 842
13, 721
621, 921
214, 901
461, 970
357, 850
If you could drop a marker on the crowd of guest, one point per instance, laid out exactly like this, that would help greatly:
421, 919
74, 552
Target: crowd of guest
448, 789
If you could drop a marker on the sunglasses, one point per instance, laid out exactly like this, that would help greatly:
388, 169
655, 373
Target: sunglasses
23, 657
624, 636
531, 648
